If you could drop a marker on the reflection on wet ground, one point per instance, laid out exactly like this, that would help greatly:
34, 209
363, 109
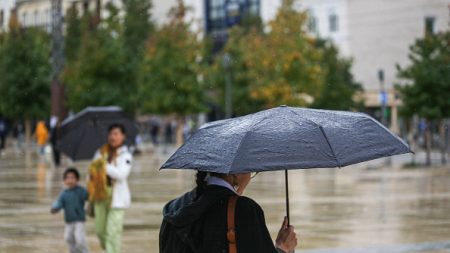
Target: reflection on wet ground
334, 210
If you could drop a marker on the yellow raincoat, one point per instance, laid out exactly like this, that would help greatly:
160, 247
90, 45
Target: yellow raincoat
41, 133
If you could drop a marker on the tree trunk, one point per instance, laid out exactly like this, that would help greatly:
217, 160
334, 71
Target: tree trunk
443, 141
412, 139
27, 133
179, 132
428, 142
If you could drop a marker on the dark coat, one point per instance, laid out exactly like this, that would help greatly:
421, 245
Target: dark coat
200, 226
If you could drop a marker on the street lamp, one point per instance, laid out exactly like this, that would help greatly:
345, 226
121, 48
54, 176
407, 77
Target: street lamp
383, 97
383, 101
226, 61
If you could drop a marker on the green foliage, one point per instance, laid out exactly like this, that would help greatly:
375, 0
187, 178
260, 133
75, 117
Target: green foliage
103, 63
237, 71
72, 39
340, 87
137, 27
136, 31
427, 92
25, 74
169, 80
281, 66
97, 76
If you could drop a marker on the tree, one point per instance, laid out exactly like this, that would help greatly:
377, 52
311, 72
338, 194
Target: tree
237, 72
427, 89
169, 81
73, 33
340, 87
25, 74
97, 77
137, 28
281, 66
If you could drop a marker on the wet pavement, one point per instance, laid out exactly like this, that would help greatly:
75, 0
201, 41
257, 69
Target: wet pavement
364, 208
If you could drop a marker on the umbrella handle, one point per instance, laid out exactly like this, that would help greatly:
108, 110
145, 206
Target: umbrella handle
286, 179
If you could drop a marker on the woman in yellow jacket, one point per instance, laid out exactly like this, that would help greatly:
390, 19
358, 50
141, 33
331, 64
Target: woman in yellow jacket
41, 135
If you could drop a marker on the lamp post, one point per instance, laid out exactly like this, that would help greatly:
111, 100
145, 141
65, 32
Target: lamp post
57, 91
383, 97
226, 61
383, 101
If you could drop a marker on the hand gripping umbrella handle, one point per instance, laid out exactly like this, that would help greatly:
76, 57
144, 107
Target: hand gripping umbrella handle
286, 179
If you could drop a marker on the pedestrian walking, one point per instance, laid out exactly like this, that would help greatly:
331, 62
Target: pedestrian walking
168, 132
18, 135
2, 133
215, 217
108, 188
154, 130
41, 134
54, 140
72, 201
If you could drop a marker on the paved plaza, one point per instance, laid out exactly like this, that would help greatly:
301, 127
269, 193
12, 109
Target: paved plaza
363, 208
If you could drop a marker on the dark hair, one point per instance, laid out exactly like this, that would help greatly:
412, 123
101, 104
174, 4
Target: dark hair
71, 170
118, 126
201, 183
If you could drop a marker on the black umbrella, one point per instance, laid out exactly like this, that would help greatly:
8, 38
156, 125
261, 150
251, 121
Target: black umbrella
85, 132
286, 138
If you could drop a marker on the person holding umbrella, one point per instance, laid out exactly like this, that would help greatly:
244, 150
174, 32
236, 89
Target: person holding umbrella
215, 217
108, 188
281, 138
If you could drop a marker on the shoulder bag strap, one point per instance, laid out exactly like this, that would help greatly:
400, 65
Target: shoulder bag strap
231, 232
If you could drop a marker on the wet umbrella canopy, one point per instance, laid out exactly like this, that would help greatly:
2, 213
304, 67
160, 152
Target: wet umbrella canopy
85, 132
286, 138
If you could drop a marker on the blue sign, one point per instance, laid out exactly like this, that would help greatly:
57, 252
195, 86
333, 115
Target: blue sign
383, 98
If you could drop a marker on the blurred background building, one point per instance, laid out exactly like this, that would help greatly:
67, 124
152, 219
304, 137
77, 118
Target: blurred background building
37, 13
375, 34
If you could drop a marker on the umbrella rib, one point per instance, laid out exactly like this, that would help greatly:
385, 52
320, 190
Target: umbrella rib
393, 135
242, 140
294, 112
329, 145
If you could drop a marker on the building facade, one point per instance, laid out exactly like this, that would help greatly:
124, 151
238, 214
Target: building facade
6, 7
37, 13
376, 34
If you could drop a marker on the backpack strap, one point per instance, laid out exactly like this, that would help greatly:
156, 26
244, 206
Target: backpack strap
231, 232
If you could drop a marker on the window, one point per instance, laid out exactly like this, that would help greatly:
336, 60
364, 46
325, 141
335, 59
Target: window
36, 18
333, 22
312, 22
429, 25
254, 7
220, 12
47, 17
1, 19
24, 19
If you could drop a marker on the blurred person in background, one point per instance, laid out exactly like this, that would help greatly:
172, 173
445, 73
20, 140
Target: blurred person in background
54, 140
18, 134
41, 134
2, 133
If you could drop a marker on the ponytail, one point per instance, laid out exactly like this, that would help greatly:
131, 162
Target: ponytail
201, 183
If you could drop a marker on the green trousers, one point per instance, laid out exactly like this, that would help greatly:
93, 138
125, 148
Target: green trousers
109, 226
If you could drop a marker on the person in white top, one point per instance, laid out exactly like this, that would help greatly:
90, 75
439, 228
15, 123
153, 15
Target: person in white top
109, 213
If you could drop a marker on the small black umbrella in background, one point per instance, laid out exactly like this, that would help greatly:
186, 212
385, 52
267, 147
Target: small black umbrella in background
85, 132
286, 138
